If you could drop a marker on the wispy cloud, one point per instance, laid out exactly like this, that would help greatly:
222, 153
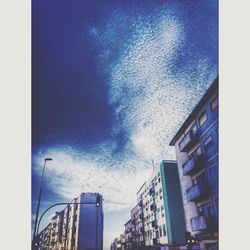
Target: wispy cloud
71, 171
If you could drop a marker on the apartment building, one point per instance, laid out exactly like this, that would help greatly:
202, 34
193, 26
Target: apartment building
139, 219
118, 243
196, 147
135, 226
78, 226
161, 206
128, 235
56, 231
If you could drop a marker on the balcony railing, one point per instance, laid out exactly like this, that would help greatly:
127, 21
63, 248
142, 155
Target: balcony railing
152, 207
192, 164
197, 191
198, 223
154, 224
140, 204
188, 141
152, 191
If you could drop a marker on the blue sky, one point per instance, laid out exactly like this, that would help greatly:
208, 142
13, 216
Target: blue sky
112, 82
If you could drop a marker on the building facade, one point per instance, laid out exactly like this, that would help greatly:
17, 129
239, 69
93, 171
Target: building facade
163, 216
118, 243
79, 226
128, 235
196, 147
140, 229
135, 226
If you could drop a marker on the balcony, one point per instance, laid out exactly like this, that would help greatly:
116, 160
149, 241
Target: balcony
152, 191
188, 141
140, 204
152, 207
198, 223
192, 165
197, 191
154, 224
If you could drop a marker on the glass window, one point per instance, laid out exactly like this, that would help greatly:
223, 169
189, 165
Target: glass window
202, 118
214, 103
208, 143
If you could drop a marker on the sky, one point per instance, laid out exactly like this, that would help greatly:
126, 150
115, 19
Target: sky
112, 81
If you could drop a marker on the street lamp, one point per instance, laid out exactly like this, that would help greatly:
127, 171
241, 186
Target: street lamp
40, 194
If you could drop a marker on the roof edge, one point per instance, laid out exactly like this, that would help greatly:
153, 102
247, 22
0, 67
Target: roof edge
213, 86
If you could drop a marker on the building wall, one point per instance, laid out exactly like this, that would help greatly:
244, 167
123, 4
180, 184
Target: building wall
118, 243
128, 235
153, 235
206, 172
90, 223
135, 226
140, 218
163, 215
174, 210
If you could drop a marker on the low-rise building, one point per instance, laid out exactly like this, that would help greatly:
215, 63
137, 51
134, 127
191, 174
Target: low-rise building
196, 147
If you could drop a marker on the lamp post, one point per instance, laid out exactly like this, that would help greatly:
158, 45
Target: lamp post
40, 194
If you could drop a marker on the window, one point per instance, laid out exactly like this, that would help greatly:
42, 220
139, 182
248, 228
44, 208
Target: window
202, 118
208, 143
160, 231
214, 103
164, 230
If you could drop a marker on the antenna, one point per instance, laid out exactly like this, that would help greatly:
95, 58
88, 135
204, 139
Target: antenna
153, 164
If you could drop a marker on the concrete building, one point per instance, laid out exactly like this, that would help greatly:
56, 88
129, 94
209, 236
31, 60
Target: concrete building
44, 238
196, 147
78, 226
56, 231
139, 219
162, 208
118, 243
128, 235
135, 226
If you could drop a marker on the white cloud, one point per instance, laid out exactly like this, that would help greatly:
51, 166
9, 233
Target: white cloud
70, 172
